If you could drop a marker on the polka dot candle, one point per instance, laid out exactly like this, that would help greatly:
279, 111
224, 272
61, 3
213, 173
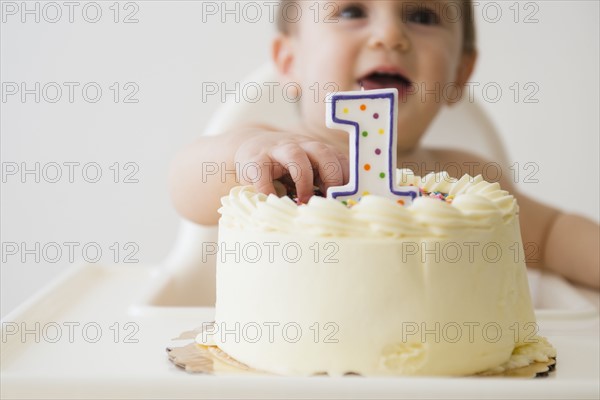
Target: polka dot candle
372, 156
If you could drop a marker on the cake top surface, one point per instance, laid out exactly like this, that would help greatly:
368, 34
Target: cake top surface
446, 204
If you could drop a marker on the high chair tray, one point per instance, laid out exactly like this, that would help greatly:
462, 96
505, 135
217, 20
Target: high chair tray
87, 336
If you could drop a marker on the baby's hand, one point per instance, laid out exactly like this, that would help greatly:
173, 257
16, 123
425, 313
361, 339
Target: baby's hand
309, 162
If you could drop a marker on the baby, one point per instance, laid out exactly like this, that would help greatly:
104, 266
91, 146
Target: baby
371, 44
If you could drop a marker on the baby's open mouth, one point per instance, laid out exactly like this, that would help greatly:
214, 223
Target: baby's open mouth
383, 80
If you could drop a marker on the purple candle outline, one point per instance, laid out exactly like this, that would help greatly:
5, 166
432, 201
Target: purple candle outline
391, 96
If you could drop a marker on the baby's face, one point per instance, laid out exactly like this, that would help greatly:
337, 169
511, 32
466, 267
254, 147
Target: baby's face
415, 46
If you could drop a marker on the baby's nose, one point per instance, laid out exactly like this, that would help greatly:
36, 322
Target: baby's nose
389, 34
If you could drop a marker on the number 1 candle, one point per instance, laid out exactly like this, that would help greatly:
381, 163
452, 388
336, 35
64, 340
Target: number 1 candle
369, 116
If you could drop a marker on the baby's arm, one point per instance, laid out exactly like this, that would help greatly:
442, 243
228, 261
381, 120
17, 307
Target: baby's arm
207, 169
563, 243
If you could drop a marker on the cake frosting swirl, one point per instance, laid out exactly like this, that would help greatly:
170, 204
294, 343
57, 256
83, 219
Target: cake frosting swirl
475, 204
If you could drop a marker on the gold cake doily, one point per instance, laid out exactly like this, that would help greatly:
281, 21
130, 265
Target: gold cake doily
194, 357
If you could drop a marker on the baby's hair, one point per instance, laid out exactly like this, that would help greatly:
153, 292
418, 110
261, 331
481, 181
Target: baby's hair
467, 18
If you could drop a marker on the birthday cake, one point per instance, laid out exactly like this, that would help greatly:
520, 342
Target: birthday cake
414, 276
437, 288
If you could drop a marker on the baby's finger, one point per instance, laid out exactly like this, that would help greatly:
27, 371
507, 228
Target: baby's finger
258, 173
294, 159
324, 159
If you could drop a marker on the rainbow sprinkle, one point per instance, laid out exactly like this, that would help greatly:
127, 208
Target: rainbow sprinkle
437, 195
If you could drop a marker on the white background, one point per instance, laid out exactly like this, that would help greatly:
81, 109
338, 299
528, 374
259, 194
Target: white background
169, 53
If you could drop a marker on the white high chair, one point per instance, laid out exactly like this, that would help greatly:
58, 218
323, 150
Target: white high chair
190, 271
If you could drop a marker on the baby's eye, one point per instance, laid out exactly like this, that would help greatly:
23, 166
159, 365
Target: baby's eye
352, 12
423, 16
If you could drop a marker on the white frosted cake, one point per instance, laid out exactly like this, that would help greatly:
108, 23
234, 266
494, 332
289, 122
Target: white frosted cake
435, 288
